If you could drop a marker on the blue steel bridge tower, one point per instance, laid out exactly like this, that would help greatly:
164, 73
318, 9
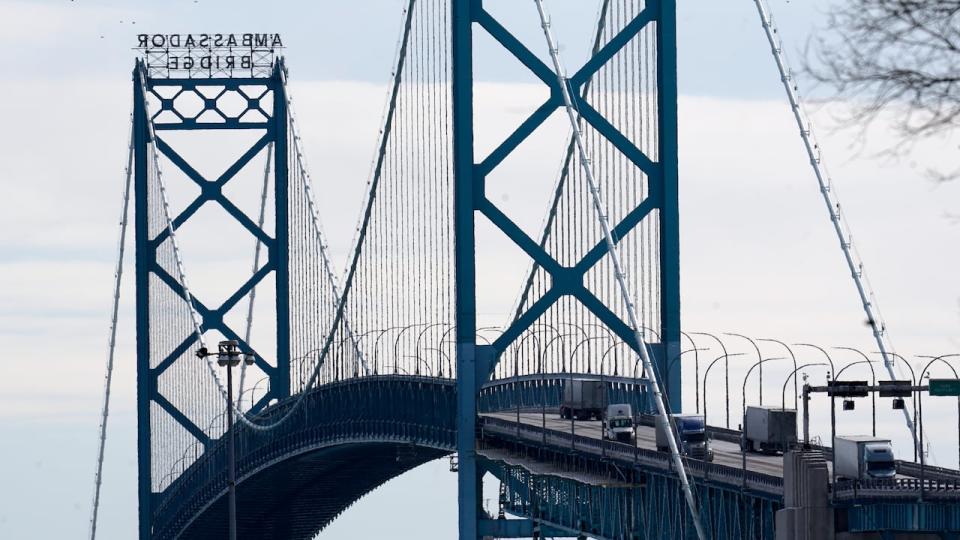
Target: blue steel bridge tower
174, 391
656, 20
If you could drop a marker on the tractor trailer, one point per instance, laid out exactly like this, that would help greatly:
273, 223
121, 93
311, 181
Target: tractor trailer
692, 433
862, 457
769, 429
583, 399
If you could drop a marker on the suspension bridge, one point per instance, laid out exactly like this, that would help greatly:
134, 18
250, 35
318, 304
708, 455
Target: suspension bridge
362, 375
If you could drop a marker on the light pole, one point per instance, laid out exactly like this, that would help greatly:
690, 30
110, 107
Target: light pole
396, 343
759, 358
443, 356
670, 370
696, 370
228, 354
726, 372
726, 358
572, 419
376, 347
833, 408
516, 371
783, 397
873, 396
422, 333
745, 434
822, 351
795, 369
416, 370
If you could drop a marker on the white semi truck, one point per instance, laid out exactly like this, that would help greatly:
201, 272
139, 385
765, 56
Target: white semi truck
769, 429
618, 423
863, 457
583, 399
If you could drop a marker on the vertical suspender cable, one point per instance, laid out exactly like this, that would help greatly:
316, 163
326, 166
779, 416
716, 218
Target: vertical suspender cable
840, 225
256, 266
601, 212
315, 218
112, 341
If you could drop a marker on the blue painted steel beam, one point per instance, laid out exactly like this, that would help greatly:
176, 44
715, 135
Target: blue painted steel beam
469, 485
616, 44
144, 255
670, 210
279, 255
520, 528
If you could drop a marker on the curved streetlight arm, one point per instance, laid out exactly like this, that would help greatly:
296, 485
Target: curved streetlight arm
677, 357
419, 361
445, 357
546, 348
573, 353
941, 359
696, 369
833, 368
706, 374
518, 344
857, 363
423, 332
747, 376
793, 357
783, 402
726, 372
759, 357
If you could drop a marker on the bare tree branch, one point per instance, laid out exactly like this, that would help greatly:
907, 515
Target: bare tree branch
894, 54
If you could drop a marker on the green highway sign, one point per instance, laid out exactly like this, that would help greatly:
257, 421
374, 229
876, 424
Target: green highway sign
945, 387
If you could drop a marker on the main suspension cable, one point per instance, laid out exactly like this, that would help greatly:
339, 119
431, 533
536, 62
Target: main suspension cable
837, 217
112, 340
600, 208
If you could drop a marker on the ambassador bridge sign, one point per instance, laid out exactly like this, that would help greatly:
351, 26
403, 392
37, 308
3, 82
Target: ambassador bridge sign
208, 55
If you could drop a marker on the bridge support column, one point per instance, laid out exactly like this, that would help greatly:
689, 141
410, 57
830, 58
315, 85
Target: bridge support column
469, 479
807, 514
670, 211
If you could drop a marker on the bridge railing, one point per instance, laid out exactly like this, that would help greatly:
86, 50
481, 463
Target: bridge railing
897, 488
545, 391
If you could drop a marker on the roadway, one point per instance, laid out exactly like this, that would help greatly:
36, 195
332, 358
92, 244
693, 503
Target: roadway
725, 453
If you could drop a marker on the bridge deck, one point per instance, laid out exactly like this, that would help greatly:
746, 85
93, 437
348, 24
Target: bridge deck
726, 452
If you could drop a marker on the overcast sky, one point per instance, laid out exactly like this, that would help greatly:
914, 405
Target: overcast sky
758, 255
